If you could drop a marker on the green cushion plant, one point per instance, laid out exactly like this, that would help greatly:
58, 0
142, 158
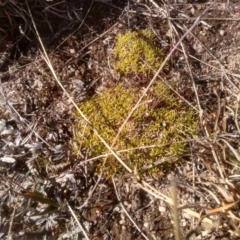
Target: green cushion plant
158, 127
161, 120
137, 52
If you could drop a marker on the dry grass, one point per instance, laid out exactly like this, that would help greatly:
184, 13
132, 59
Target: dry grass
47, 192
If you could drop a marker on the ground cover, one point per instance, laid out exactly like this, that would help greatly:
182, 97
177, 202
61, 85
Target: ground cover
70, 113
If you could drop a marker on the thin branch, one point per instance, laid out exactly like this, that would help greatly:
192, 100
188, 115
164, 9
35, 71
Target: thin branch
124, 209
79, 224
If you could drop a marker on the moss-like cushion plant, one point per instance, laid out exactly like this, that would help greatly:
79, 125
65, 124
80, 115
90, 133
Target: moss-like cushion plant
137, 52
157, 129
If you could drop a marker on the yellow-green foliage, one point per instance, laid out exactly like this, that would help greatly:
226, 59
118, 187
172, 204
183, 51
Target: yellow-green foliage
160, 120
136, 52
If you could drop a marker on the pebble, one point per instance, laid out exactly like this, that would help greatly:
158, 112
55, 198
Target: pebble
221, 32
186, 216
146, 224
117, 209
123, 228
183, 223
72, 51
121, 222
162, 209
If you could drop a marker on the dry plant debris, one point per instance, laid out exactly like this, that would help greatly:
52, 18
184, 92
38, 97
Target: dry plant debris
47, 191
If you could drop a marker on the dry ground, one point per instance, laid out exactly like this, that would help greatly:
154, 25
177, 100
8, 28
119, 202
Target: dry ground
197, 198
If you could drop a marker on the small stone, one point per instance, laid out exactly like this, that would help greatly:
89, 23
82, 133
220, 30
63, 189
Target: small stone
72, 51
117, 209
221, 32
192, 10
186, 216
162, 209
146, 224
121, 222
2, 124
183, 224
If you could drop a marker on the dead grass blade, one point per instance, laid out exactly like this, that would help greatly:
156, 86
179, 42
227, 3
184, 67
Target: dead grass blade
124, 209
231, 148
79, 224
220, 189
48, 62
176, 225
154, 192
221, 209
212, 195
10, 21
11, 222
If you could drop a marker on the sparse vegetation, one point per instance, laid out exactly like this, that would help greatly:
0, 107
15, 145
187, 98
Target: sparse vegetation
103, 56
